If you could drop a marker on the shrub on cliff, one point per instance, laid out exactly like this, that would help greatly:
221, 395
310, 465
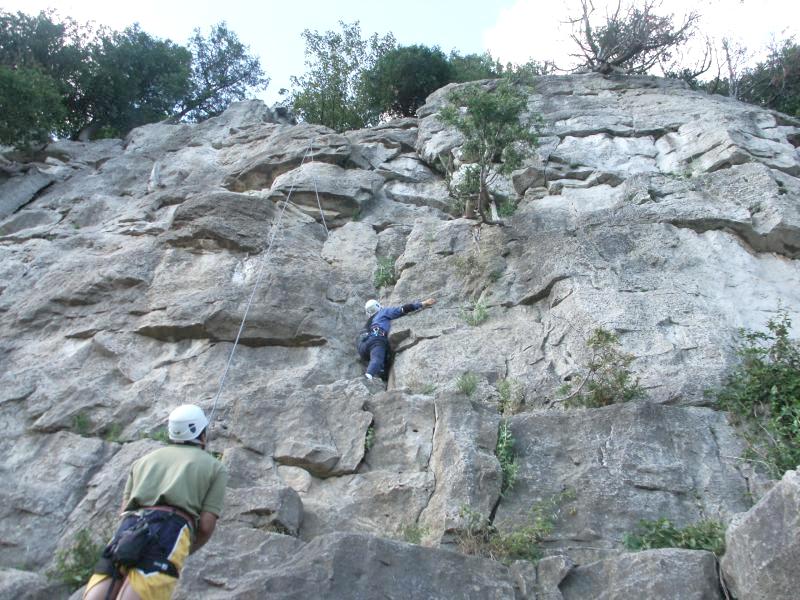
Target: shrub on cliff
608, 378
763, 393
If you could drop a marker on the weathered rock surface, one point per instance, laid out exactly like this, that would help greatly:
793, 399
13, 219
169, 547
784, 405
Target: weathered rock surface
15, 583
637, 460
341, 566
762, 546
664, 215
654, 574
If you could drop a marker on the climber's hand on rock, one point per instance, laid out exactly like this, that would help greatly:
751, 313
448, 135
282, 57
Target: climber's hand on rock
428, 302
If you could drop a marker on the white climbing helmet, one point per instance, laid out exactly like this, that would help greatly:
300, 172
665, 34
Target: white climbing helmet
186, 423
371, 307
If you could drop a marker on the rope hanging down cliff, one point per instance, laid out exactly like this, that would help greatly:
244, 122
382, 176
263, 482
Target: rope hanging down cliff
262, 263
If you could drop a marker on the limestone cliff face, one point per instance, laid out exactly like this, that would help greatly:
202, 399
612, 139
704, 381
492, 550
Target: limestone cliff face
669, 217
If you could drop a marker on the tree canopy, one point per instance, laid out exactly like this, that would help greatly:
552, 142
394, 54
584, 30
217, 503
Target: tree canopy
333, 90
131, 79
403, 77
99, 82
42, 111
775, 82
223, 71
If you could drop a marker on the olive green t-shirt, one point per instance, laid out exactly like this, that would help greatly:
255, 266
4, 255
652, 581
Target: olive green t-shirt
182, 476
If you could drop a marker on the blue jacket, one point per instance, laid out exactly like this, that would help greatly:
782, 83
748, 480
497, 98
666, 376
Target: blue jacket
384, 316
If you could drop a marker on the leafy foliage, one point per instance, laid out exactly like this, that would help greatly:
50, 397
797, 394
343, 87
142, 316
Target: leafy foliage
332, 92
57, 50
133, 79
81, 424
113, 433
384, 273
632, 39
223, 71
32, 121
495, 139
512, 396
414, 533
473, 67
504, 451
476, 315
159, 435
775, 83
764, 392
608, 378
403, 77
99, 82
467, 383
507, 207
520, 540
74, 565
704, 535
369, 438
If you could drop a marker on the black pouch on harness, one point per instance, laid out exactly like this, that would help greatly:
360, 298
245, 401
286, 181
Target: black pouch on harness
128, 548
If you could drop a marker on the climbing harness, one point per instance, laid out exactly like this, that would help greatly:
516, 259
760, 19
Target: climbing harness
262, 263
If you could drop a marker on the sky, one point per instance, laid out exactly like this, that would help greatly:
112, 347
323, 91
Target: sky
512, 30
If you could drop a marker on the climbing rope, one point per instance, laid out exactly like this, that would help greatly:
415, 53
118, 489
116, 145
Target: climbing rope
264, 257
319, 204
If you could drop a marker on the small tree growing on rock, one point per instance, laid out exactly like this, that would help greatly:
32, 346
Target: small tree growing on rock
631, 40
608, 378
495, 139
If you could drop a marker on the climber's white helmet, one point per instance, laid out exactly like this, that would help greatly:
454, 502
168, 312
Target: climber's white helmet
371, 307
186, 423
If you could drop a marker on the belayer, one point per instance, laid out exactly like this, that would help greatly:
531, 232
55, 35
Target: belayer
373, 341
173, 498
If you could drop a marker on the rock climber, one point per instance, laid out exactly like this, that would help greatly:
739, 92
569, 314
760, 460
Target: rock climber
373, 343
173, 497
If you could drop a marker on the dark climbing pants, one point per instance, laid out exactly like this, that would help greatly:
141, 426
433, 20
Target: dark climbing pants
375, 349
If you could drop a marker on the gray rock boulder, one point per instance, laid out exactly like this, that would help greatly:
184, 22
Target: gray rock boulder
278, 149
18, 191
49, 475
606, 456
15, 583
762, 545
340, 566
654, 574
463, 462
327, 192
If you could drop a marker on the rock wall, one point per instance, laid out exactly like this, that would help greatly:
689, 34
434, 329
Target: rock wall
669, 217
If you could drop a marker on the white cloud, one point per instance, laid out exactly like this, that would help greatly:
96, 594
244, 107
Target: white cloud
530, 29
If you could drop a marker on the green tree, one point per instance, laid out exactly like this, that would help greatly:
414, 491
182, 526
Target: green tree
223, 71
775, 83
608, 378
332, 91
30, 106
57, 49
495, 139
133, 79
403, 77
473, 67
632, 39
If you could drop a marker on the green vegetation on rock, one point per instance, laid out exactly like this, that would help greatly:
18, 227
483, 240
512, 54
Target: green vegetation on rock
608, 379
763, 394
703, 535
520, 540
74, 565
